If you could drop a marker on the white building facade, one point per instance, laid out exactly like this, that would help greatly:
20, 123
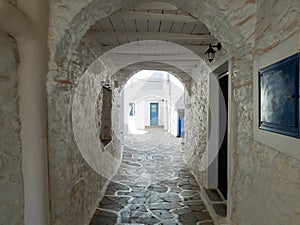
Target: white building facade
154, 99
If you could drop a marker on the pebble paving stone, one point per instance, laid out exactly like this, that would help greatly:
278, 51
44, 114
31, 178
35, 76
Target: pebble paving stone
104, 218
152, 186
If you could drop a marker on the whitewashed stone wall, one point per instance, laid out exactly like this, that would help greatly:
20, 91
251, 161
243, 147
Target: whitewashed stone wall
11, 179
116, 148
75, 189
196, 123
265, 181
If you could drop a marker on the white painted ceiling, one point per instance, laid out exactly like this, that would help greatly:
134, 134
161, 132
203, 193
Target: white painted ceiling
155, 21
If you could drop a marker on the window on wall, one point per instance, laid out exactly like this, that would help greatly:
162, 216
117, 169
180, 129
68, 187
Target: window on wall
279, 97
106, 131
132, 109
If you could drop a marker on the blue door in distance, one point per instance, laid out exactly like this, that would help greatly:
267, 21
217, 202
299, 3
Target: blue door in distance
180, 127
153, 114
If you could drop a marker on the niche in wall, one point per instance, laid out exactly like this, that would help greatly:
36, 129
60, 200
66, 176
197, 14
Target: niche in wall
279, 97
105, 130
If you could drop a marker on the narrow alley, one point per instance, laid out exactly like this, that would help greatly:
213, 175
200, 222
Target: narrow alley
149, 112
152, 186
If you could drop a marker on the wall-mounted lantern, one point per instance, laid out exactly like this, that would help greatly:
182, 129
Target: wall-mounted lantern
210, 53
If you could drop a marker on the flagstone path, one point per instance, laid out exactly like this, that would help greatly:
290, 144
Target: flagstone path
152, 186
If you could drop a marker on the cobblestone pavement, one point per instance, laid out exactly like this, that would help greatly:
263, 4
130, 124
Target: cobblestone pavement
152, 186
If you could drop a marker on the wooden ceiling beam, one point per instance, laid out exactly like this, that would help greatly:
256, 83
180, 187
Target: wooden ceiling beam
150, 36
155, 17
168, 64
162, 48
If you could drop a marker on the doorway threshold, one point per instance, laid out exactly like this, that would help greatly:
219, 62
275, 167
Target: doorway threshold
216, 204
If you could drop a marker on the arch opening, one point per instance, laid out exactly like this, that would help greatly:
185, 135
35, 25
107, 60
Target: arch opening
147, 89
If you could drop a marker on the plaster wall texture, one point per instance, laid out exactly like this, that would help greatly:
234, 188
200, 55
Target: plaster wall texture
75, 188
27, 23
11, 177
196, 125
263, 179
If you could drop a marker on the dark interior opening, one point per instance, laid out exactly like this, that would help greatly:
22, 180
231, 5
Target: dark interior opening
106, 131
222, 157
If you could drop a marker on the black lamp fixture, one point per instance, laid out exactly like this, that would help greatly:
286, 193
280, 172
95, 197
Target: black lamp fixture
210, 53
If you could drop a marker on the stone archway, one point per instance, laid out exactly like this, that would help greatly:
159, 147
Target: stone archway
215, 15
63, 76
103, 68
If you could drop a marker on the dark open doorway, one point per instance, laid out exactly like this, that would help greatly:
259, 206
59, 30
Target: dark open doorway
222, 157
